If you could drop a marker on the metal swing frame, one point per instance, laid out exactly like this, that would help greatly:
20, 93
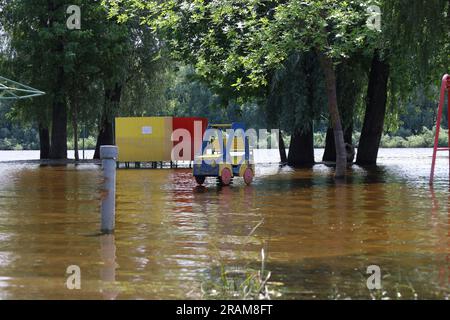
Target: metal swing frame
12, 90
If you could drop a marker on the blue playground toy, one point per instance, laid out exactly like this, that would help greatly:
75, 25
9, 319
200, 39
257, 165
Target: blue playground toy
225, 157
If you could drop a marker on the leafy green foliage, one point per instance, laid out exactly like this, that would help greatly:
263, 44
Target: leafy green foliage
237, 44
101, 55
415, 42
12, 135
420, 140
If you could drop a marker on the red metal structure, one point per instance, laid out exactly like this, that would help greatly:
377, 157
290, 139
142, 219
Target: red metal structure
445, 88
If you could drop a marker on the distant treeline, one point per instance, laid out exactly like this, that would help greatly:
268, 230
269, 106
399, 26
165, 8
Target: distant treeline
185, 96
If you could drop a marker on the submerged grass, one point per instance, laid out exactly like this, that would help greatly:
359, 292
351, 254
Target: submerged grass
231, 282
239, 283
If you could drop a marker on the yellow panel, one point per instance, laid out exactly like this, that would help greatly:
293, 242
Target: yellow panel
144, 139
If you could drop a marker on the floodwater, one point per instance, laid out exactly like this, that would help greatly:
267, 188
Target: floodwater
176, 241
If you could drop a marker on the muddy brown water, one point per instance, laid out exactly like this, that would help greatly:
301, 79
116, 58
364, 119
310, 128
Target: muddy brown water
173, 239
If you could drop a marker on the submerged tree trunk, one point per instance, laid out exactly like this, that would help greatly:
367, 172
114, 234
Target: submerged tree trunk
301, 150
375, 112
330, 80
330, 147
106, 134
44, 141
282, 148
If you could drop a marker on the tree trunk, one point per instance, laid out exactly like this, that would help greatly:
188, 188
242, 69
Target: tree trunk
106, 134
75, 141
74, 106
375, 112
330, 80
44, 141
301, 150
348, 90
329, 154
58, 148
330, 147
282, 148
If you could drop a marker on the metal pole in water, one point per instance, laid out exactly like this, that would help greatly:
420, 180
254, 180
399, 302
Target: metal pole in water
109, 154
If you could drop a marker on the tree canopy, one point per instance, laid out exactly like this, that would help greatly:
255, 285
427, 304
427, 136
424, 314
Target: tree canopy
239, 43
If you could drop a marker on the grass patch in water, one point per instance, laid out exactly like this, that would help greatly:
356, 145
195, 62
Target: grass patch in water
239, 283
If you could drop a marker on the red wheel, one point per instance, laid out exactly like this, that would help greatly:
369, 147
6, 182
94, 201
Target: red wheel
200, 180
248, 176
225, 178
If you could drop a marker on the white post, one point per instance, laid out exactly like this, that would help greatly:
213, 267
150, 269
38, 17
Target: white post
109, 154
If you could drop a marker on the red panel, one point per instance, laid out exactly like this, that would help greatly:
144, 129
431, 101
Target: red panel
188, 124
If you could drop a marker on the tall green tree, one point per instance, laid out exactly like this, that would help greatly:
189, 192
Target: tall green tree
246, 40
297, 98
132, 61
29, 59
410, 54
75, 67
64, 63
351, 79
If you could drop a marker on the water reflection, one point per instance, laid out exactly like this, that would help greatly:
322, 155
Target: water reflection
172, 236
444, 243
108, 271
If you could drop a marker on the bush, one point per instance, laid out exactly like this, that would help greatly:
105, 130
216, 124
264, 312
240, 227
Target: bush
423, 140
393, 142
18, 147
320, 139
416, 142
